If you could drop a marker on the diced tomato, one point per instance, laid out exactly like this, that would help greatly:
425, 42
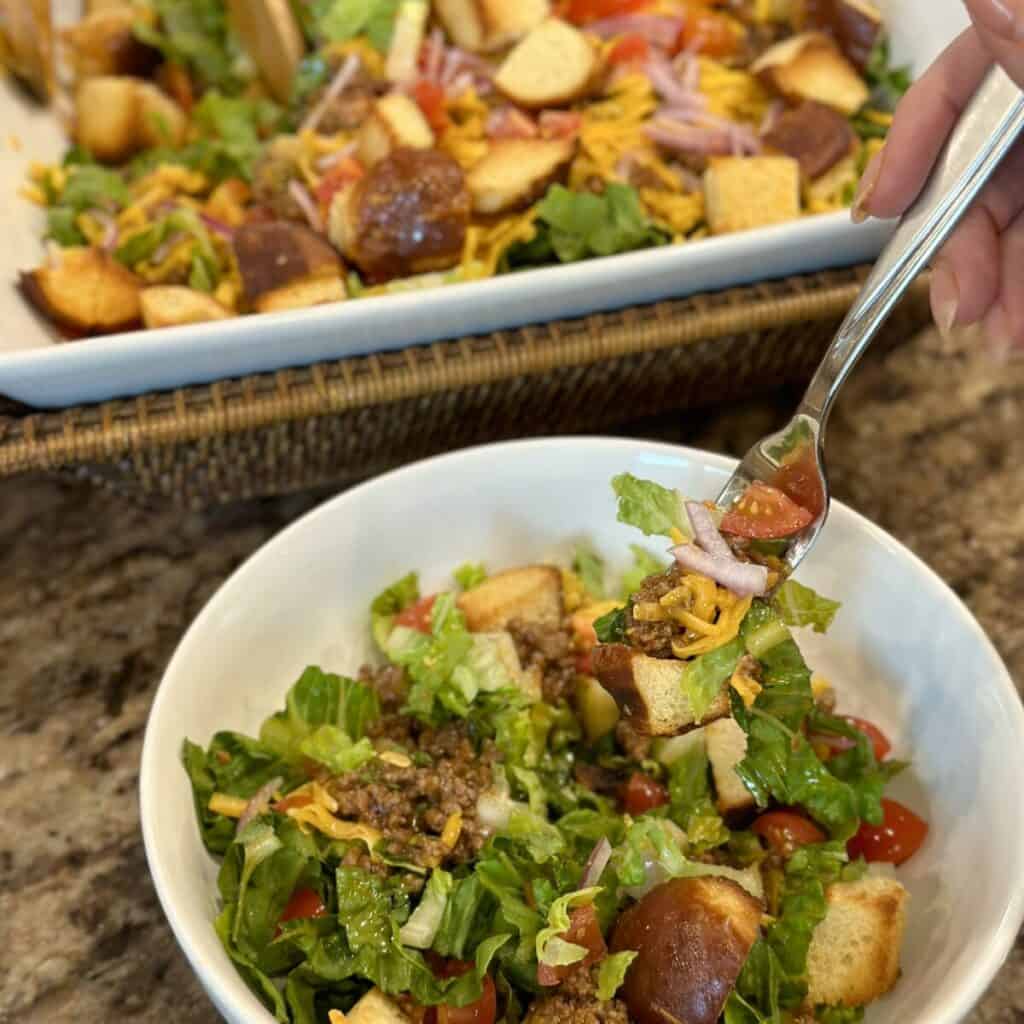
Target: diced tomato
786, 831
304, 903
295, 800
584, 665
560, 124
799, 479
897, 839
630, 49
343, 173
583, 11
879, 741
642, 793
483, 1011
417, 616
706, 32
431, 99
584, 930
765, 513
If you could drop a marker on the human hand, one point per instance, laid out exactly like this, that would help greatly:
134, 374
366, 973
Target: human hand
978, 276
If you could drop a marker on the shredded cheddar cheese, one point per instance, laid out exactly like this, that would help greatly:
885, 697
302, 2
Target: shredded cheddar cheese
732, 93
229, 806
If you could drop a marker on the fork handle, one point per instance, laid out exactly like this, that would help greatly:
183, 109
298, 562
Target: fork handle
984, 134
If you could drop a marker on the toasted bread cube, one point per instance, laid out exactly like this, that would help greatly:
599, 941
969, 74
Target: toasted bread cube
272, 37
271, 257
406, 42
317, 291
173, 305
552, 66
396, 122
810, 67
727, 746
516, 172
855, 951
86, 290
104, 43
27, 44
375, 1008
533, 594
649, 691
107, 117
484, 25
161, 121
749, 192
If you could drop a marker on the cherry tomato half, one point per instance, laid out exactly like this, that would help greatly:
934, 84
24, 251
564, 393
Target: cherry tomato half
304, 903
584, 930
765, 513
483, 1011
879, 742
417, 616
583, 11
630, 48
798, 478
707, 32
897, 839
786, 831
642, 793
431, 100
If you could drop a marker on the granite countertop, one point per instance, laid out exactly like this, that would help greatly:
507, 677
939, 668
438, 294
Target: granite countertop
95, 592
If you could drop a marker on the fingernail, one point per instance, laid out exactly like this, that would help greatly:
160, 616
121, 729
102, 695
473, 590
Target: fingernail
945, 297
1000, 17
868, 180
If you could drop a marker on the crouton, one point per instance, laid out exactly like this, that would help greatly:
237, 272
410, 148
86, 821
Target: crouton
396, 123
104, 43
552, 66
173, 305
814, 135
86, 290
272, 37
374, 1008
596, 708
517, 171
302, 295
855, 24
649, 691
726, 747
486, 25
161, 121
406, 42
271, 257
26, 44
810, 66
855, 951
533, 594
750, 192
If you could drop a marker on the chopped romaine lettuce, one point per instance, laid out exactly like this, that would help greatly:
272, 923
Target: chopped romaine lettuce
644, 564
552, 949
611, 628
335, 21
388, 603
690, 803
425, 921
333, 747
798, 605
589, 566
704, 677
612, 973
470, 575
648, 506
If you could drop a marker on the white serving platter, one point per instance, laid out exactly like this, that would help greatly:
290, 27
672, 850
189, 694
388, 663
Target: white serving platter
40, 370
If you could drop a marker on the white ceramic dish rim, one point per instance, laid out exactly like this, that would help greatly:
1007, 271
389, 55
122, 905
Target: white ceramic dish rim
1000, 941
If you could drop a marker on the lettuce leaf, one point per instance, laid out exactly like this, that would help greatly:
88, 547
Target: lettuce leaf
389, 602
552, 949
589, 566
319, 699
798, 605
425, 921
690, 804
89, 186
644, 564
334, 748
704, 677
335, 21
612, 973
649, 507
470, 575
466, 920
611, 628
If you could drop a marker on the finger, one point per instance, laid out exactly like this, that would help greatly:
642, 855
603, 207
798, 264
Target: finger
1007, 52
967, 274
924, 118
1004, 324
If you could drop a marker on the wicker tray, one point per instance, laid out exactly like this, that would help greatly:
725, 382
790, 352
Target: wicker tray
343, 421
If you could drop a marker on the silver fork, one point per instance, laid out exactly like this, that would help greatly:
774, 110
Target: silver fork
986, 131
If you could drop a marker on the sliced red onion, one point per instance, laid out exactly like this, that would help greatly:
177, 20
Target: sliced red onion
689, 138
162, 251
687, 67
705, 532
462, 82
742, 578
658, 29
301, 195
339, 83
666, 83
218, 227
596, 863
110, 230
258, 803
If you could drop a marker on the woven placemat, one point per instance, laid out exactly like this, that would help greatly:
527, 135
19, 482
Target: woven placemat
349, 419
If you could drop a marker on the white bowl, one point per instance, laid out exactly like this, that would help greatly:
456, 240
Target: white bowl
903, 648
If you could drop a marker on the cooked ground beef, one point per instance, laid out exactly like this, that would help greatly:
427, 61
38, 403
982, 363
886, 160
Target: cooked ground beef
549, 649
411, 805
654, 638
390, 682
270, 187
575, 1002
596, 779
634, 746
349, 110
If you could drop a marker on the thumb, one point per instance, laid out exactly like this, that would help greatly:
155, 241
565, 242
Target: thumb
1000, 25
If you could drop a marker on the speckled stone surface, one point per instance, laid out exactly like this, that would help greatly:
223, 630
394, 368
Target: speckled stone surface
94, 594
